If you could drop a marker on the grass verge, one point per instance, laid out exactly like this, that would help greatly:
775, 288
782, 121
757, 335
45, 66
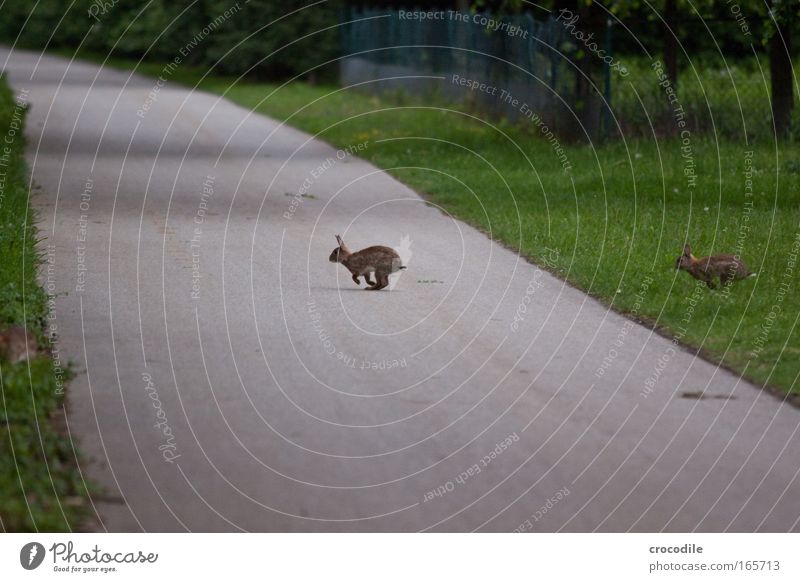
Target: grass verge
618, 218
40, 488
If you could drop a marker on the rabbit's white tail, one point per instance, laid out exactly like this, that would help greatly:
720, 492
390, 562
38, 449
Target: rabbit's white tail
751, 275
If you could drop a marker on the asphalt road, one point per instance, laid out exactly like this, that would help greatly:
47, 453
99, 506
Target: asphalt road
231, 378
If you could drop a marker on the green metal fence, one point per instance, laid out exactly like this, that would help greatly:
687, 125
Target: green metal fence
512, 66
554, 73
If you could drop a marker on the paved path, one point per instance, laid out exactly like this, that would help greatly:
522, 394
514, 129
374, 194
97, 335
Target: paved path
232, 379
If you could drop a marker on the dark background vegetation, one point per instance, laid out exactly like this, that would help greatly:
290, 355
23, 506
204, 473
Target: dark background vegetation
265, 41
157, 30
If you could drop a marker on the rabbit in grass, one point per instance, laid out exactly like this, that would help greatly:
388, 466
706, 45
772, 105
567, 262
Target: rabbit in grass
727, 267
382, 261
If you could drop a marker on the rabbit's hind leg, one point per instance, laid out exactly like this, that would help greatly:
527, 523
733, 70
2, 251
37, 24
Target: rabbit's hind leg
727, 278
707, 279
373, 285
383, 280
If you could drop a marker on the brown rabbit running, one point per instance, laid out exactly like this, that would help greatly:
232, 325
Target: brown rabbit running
382, 261
17, 344
727, 267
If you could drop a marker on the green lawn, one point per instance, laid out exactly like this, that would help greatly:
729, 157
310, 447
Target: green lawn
40, 490
622, 213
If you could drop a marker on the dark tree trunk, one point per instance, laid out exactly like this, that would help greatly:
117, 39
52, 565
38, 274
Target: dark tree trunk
592, 22
780, 68
670, 41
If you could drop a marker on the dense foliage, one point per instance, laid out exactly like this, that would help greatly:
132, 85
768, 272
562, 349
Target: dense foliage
261, 38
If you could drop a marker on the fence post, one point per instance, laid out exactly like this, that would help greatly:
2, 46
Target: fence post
554, 38
608, 37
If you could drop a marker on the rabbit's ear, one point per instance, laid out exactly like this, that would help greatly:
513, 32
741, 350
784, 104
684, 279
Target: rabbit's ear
339, 240
687, 250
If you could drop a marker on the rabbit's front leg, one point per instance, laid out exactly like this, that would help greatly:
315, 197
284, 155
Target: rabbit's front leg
705, 277
356, 279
